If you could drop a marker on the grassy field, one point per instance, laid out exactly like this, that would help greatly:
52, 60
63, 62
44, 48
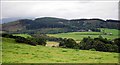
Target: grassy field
113, 31
0, 50
78, 36
23, 35
22, 53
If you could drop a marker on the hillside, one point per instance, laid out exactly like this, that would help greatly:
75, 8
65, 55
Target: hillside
57, 25
22, 53
6, 20
78, 36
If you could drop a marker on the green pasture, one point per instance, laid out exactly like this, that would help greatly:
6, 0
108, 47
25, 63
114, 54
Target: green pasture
115, 32
23, 35
13, 52
78, 36
0, 50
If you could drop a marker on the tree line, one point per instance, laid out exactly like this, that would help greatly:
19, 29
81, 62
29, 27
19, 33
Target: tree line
30, 41
96, 44
88, 43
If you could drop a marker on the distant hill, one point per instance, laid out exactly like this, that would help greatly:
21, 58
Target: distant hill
57, 25
6, 20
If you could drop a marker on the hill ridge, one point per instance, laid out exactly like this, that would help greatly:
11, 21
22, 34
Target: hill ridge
38, 24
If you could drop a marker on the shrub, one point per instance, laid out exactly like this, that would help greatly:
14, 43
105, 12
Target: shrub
112, 48
6, 35
39, 41
117, 41
68, 43
24, 40
99, 44
93, 49
86, 43
64, 50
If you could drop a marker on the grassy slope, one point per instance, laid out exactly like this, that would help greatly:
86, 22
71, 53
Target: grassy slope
22, 53
0, 50
114, 31
23, 35
78, 36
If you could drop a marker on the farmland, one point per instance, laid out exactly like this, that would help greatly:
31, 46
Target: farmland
22, 53
78, 36
13, 52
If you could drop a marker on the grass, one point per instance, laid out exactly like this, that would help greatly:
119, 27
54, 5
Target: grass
78, 36
23, 35
113, 31
22, 53
0, 50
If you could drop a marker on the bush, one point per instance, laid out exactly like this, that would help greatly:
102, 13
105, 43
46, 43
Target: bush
39, 41
68, 43
117, 41
6, 35
86, 43
19, 39
24, 40
100, 44
93, 49
112, 48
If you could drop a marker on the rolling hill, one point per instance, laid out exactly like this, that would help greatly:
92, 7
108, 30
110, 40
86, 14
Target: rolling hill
78, 36
6, 20
57, 25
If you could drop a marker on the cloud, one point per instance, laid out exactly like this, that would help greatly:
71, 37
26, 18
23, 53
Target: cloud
64, 9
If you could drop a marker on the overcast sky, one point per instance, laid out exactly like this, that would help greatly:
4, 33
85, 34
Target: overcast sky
61, 9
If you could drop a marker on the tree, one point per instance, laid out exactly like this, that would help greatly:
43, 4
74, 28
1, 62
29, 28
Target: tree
86, 43
117, 41
24, 40
39, 41
99, 46
111, 48
68, 43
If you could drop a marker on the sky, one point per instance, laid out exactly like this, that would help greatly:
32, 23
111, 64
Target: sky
60, 9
